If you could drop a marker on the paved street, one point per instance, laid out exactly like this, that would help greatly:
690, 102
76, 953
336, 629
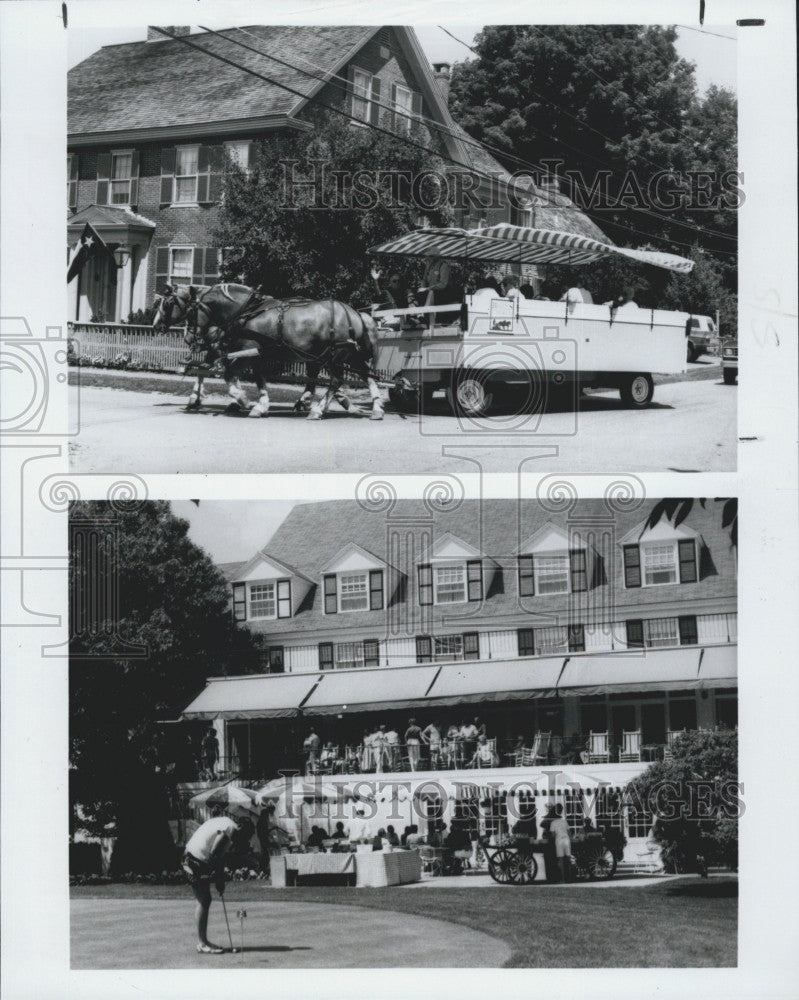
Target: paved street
691, 427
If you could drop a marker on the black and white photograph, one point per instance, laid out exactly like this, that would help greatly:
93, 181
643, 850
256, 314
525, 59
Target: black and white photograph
517, 231
531, 701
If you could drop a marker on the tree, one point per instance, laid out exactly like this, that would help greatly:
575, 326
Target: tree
302, 221
695, 799
612, 98
677, 509
174, 602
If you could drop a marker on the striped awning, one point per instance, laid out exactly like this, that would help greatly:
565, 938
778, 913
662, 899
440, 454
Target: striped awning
509, 244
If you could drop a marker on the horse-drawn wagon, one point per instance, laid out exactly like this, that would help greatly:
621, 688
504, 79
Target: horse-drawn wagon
535, 345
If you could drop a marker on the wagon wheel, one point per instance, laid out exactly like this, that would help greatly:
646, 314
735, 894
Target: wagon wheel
601, 864
501, 865
524, 869
469, 395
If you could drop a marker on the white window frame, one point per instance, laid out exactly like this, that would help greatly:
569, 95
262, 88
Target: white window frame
238, 144
364, 98
354, 662
661, 633
646, 549
538, 575
439, 567
120, 180
362, 575
174, 278
405, 117
442, 654
251, 600
178, 177
551, 640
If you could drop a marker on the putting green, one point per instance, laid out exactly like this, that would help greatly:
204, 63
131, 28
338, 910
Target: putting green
159, 934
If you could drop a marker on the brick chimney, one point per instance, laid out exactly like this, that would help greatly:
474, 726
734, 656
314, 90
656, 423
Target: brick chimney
441, 74
154, 35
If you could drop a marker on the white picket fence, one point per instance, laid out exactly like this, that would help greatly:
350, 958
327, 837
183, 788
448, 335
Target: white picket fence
106, 343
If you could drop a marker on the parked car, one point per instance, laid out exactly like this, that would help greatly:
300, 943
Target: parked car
700, 332
729, 360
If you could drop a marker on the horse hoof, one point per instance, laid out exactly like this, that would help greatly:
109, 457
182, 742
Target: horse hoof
376, 415
192, 405
313, 415
255, 412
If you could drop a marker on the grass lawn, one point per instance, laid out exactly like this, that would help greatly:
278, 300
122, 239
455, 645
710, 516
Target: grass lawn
679, 923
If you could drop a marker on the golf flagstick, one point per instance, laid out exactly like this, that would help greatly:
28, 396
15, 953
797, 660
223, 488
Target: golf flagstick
229, 935
241, 914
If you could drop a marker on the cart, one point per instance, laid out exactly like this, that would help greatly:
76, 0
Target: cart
536, 347
514, 861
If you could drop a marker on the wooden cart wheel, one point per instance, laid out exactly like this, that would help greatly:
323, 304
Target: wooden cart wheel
602, 865
524, 870
500, 865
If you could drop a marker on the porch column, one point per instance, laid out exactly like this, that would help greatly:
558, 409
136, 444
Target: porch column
705, 710
124, 286
571, 715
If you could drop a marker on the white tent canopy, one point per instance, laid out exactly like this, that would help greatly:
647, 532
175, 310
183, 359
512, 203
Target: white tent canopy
504, 243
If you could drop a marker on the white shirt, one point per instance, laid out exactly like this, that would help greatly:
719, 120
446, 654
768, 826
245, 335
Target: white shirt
206, 836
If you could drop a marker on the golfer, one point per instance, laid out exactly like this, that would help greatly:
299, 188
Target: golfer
204, 862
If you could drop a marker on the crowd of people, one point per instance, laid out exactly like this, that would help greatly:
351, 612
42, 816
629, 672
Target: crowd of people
386, 749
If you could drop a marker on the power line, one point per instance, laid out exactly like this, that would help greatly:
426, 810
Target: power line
704, 31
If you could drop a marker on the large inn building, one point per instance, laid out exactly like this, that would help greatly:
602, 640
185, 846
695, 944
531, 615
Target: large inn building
570, 622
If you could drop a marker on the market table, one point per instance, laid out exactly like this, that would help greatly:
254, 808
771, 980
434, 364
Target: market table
372, 869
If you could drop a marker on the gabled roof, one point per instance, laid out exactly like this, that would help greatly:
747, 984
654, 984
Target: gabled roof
663, 531
141, 85
369, 558
244, 569
109, 217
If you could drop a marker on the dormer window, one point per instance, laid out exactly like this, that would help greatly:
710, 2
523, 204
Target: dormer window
346, 592
550, 563
451, 583
660, 556
267, 589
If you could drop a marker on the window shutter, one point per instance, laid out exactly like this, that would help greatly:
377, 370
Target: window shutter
284, 598
371, 653
424, 649
276, 660
197, 272
161, 269
526, 577
474, 580
635, 633
168, 155
216, 169
351, 90
211, 267
576, 639
526, 642
687, 553
416, 106
471, 646
331, 599
396, 119
103, 177
325, 655
689, 635
579, 576
425, 584
376, 589
374, 107
239, 602
73, 182
632, 566
203, 172
134, 178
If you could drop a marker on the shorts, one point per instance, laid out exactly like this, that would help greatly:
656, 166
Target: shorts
563, 847
197, 871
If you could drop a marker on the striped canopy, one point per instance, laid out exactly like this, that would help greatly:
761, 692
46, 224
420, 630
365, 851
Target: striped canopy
509, 244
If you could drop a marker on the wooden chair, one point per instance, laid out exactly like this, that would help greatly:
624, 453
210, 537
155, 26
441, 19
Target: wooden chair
598, 748
630, 745
540, 751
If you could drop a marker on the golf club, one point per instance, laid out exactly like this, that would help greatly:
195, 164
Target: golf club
227, 922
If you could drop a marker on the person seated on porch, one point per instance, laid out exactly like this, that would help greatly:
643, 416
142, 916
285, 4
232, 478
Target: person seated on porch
484, 755
328, 757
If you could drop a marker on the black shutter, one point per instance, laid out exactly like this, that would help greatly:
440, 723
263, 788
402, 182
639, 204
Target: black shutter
216, 168
689, 636
325, 655
211, 266
526, 642
331, 598
632, 566
161, 269
73, 182
635, 633
351, 90
168, 156
276, 660
579, 576
471, 646
396, 119
203, 173
474, 580
687, 552
374, 107
239, 602
284, 598
197, 266
526, 577
576, 639
134, 178
425, 584
103, 177
376, 589
424, 649
371, 653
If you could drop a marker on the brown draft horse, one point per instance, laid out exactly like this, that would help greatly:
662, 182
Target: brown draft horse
240, 323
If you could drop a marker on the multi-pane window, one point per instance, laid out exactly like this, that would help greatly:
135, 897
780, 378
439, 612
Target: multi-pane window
661, 632
353, 592
187, 162
551, 640
447, 647
450, 584
352, 655
72, 181
403, 104
361, 94
239, 153
660, 564
263, 600
551, 574
554, 573
653, 565
121, 173
181, 263
362, 591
